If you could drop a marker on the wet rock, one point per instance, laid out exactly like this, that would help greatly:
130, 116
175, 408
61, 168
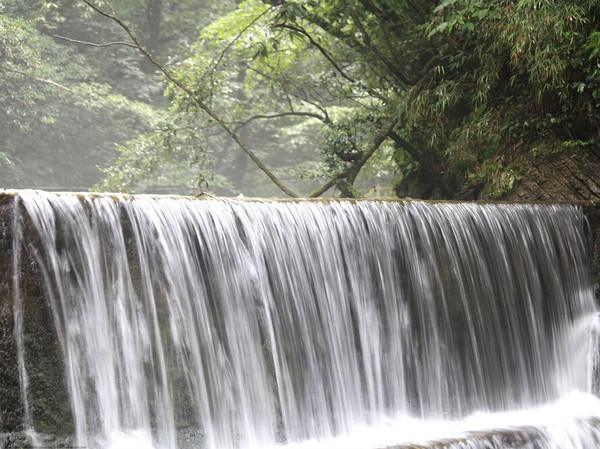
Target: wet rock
11, 407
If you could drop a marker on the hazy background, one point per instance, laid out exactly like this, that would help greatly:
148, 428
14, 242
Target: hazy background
69, 109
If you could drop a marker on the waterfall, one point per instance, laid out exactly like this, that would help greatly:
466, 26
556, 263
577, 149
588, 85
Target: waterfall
236, 324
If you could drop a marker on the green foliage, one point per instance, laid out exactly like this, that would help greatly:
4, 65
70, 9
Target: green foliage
70, 107
144, 159
344, 140
476, 90
57, 122
512, 80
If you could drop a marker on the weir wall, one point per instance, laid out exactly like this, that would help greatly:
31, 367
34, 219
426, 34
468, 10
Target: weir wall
49, 403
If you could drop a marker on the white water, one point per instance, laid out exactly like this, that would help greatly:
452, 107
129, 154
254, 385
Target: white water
224, 324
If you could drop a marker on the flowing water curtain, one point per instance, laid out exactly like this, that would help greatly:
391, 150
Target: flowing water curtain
249, 324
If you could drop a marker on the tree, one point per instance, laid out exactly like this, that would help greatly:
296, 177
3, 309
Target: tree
454, 99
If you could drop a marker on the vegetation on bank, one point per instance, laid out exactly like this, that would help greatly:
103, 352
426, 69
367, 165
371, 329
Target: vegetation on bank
431, 99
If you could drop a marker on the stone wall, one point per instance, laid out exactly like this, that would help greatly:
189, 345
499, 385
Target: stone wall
48, 395
11, 407
592, 212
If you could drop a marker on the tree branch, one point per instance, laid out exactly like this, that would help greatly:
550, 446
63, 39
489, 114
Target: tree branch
214, 64
279, 115
303, 98
353, 171
112, 15
347, 190
346, 179
426, 160
42, 80
318, 47
350, 41
324, 188
369, 44
93, 44
330, 59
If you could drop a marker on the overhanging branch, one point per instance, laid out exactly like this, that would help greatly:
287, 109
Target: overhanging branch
93, 44
330, 59
281, 115
320, 48
41, 80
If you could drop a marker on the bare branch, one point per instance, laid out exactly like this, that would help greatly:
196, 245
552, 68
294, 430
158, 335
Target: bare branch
330, 59
42, 80
93, 44
303, 98
98, 10
324, 188
113, 16
350, 40
369, 44
289, 100
323, 109
280, 115
314, 104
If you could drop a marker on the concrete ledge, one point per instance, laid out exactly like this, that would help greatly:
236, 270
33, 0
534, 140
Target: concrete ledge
593, 204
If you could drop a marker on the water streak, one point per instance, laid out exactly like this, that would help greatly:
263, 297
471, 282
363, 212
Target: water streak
18, 313
240, 324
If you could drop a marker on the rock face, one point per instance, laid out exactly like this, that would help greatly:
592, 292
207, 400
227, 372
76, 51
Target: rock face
48, 395
562, 176
11, 407
592, 211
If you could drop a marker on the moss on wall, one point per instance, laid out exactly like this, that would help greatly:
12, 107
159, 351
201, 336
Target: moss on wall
48, 394
11, 407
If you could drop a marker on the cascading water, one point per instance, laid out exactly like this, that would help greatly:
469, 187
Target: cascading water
250, 324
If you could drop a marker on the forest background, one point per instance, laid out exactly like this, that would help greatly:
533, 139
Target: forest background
452, 99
